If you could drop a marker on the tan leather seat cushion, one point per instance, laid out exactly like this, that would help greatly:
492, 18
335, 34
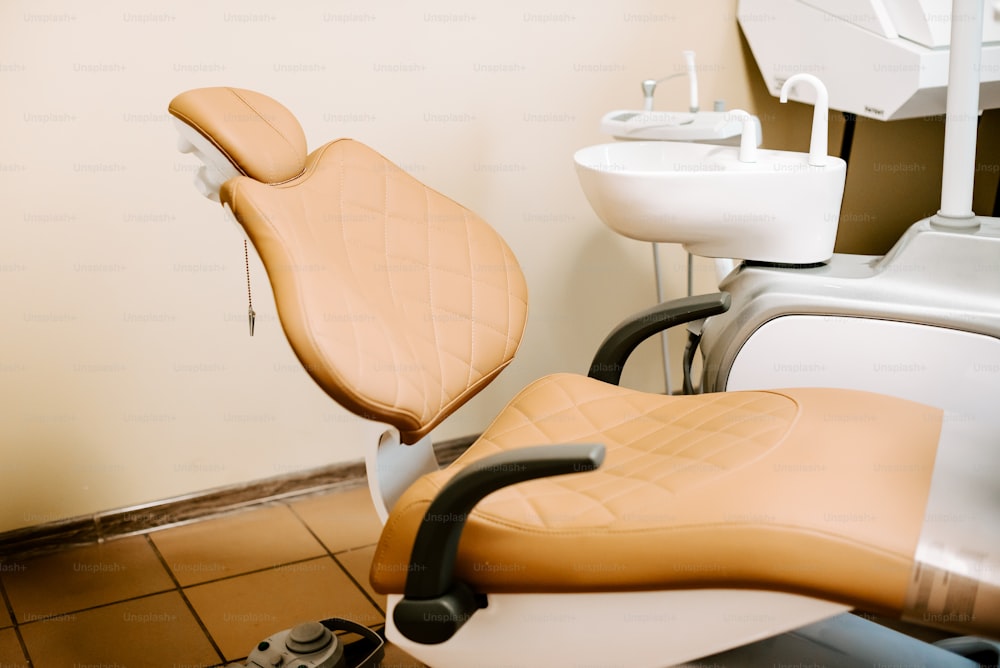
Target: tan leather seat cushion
400, 302
793, 490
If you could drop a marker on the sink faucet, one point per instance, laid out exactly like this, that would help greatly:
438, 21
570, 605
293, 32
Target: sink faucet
821, 111
649, 85
748, 137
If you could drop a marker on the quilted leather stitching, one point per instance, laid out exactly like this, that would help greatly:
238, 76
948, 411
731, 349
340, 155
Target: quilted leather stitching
263, 117
472, 308
433, 270
685, 444
412, 355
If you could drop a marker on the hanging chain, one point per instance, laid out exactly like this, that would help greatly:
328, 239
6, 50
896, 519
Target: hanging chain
246, 261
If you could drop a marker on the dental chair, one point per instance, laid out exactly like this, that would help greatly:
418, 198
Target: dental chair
590, 524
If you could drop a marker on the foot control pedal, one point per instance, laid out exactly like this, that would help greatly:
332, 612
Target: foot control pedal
316, 645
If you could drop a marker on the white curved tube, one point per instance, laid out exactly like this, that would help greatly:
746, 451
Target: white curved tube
821, 111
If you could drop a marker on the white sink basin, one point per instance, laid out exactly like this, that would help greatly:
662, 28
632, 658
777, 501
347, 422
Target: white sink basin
777, 209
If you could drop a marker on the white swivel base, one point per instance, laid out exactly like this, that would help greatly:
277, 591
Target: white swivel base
627, 629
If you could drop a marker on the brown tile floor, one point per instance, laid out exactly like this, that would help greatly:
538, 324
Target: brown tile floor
202, 594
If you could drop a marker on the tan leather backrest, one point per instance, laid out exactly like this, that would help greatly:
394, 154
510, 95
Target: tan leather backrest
401, 303
255, 132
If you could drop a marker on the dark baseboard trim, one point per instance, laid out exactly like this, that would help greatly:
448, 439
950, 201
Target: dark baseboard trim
52, 536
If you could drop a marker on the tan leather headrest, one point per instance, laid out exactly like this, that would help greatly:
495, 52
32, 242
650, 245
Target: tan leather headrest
260, 137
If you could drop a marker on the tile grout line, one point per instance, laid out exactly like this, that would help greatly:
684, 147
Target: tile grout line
255, 571
175, 585
17, 625
180, 590
357, 585
14, 623
55, 616
333, 556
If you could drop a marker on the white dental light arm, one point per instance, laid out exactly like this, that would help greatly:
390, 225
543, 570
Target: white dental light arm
821, 111
961, 130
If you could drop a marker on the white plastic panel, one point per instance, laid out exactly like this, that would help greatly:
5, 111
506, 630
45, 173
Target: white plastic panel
866, 73
640, 629
956, 579
392, 467
869, 14
957, 574
954, 370
928, 22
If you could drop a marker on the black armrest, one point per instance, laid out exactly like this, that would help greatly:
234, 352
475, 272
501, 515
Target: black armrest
435, 605
623, 339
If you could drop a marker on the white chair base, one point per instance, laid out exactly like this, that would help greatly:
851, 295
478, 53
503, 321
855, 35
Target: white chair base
627, 629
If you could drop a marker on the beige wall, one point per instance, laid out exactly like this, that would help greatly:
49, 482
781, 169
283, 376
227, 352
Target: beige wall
895, 178
126, 371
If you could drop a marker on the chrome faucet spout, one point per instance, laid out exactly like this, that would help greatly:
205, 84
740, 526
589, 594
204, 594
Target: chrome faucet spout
648, 90
649, 85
